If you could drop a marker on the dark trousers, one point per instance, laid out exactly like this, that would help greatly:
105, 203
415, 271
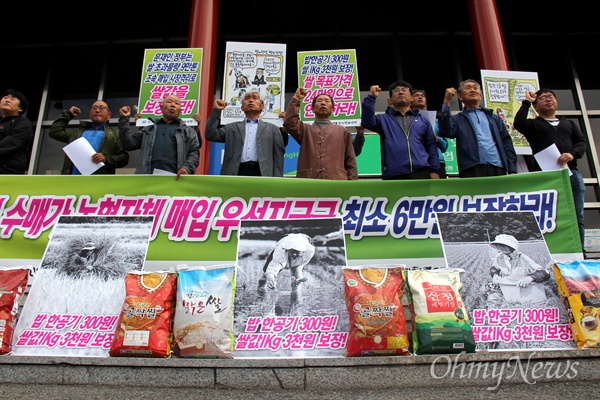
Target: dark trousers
443, 174
250, 168
482, 170
420, 174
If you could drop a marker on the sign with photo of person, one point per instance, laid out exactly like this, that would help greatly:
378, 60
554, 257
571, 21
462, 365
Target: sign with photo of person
508, 284
74, 303
289, 295
334, 72
168, 72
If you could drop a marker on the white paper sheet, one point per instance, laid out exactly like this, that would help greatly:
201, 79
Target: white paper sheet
158, 171
547, 159
80, 152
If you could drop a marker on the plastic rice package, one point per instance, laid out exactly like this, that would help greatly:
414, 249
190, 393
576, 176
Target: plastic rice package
440, 323
13, 282
377, 322
579, 289
144, 328
203, 321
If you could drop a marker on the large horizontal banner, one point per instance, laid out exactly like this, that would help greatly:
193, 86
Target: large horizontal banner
197, 218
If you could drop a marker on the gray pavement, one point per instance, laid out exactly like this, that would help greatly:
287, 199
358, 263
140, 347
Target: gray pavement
552, 390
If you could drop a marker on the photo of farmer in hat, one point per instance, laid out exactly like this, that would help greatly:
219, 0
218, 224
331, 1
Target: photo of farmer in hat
511, 270
512, 266
292, 252
85, 257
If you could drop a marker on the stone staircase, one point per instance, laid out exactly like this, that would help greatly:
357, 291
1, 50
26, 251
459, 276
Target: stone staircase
482, 372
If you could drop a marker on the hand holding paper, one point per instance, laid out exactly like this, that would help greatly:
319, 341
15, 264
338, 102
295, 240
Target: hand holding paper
548, 159
80, 152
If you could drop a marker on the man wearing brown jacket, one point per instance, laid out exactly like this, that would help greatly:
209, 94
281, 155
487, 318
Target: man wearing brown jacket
326, 150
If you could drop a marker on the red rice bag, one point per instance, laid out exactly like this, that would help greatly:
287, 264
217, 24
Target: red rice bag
13, 282
144, 326
377, 322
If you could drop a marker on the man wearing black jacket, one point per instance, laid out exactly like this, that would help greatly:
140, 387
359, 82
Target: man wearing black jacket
546, 130
16, 134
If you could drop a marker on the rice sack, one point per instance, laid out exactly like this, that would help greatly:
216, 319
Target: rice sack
13, 282
377, 322
579, 289
440, 323
144, 325
203, 321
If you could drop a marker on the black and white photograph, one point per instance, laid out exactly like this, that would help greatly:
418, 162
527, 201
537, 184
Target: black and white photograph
81, 278
507, 266
288, 269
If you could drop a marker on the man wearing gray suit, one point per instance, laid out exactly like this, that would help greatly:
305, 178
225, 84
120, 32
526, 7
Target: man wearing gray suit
252, 147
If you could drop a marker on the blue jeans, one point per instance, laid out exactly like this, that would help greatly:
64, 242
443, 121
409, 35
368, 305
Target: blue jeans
578, 188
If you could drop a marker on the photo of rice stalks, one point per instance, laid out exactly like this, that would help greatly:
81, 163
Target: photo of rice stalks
79, 287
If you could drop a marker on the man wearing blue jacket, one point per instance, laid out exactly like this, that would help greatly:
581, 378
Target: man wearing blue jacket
483, 145
408, 149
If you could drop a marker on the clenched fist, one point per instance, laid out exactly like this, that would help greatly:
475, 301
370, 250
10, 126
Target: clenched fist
375, 90
300, 94
220, 104
125, 111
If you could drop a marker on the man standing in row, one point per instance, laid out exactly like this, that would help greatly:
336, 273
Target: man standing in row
483, 145
326, 150
252, 147
419, 102
104, 139
16, 133
168, 144
408, 149
547, 130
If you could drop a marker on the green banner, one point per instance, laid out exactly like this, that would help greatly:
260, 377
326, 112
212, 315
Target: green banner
196, 219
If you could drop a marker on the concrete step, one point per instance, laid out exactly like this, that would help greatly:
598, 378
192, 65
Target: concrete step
479, 372
541, 391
